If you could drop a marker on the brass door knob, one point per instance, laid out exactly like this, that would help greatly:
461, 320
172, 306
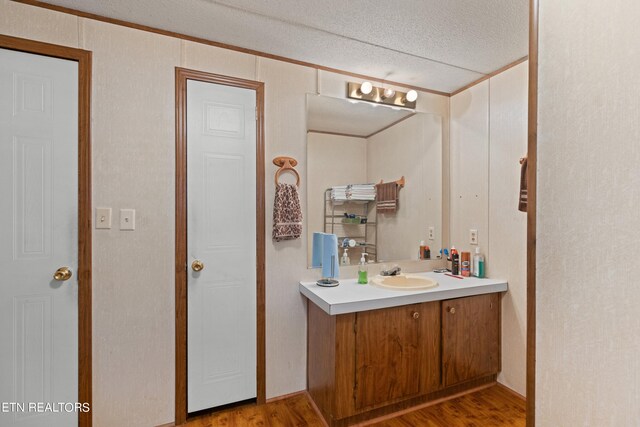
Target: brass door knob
451, 310
62, 274
416, 315
197, 265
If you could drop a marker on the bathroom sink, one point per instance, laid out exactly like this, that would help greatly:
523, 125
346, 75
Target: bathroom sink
404, 282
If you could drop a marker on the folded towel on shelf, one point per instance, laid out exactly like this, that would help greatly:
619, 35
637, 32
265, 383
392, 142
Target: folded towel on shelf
287, 214
339, 193
387, 197
522, 202
353, 192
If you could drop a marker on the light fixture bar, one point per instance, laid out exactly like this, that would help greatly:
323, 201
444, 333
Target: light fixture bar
367, 92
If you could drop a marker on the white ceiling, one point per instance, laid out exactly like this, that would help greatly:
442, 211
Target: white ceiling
436, 44
326, 114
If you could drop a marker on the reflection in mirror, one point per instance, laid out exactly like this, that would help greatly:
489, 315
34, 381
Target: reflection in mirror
351, 143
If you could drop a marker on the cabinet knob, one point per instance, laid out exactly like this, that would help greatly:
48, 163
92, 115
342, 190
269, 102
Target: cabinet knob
416, 315
451, 310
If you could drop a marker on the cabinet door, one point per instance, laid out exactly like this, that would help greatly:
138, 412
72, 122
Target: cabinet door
397, 354
470, 338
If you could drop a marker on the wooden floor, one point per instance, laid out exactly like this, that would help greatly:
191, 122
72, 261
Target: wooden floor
493, 406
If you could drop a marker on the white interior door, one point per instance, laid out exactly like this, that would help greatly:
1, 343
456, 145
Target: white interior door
221, 224
38, 234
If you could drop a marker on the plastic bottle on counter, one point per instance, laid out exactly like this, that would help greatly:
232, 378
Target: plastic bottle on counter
465, 264
455, 261
363, 276
421, 252
478, 264
345, 258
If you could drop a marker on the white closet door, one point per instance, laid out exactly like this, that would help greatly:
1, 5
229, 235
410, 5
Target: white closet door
38, 235
221, 224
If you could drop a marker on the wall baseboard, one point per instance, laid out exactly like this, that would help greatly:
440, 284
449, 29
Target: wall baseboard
511, 391
285, 396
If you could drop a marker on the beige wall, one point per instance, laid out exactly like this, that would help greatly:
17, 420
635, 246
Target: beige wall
488, 137
507, 225
470, 167
588, 298
413, 149
133, 157
332, 160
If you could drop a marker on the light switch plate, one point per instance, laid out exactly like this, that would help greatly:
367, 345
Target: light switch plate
473, 236
432, 233
103, 218
127, 219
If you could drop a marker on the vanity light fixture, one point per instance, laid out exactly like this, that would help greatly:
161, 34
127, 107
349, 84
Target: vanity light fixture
366, 88
411, 96
388, 93
385, 96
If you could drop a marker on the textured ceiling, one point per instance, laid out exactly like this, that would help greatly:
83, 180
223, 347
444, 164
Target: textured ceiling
436, 44
355, 118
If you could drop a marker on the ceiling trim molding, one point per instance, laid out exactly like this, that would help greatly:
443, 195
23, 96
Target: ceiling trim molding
220, 45
488, 76
326, 132
390, 125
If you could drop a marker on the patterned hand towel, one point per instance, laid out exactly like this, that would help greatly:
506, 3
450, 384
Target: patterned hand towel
387, 197
287, 214
522, 202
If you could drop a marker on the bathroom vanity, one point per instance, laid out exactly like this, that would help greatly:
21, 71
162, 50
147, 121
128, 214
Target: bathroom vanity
374, 351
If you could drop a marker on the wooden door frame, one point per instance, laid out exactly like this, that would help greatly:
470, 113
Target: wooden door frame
532, 164
83, 58
182, 76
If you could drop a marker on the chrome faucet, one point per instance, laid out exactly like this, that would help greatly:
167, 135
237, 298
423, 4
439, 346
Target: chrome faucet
393, 272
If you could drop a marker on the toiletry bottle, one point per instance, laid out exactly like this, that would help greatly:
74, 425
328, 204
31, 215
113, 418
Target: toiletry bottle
427, 253
421, 252
363, 278
465, 264
478, 264
345, 258
455, 261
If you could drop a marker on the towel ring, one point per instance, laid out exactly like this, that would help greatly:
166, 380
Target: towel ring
286, 164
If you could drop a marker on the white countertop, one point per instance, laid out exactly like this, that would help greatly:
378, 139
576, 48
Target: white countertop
350, 297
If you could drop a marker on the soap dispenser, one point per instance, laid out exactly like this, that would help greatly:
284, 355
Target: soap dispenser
363, 278
345, 258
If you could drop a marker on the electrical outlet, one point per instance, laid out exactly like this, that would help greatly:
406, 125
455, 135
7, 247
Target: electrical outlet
432, 233
473, 236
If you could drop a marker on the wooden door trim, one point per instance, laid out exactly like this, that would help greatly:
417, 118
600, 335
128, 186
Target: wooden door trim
181, 77
83, 58
532, 165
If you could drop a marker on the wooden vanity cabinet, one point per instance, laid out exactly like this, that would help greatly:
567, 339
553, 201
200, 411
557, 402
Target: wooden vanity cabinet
358, 362
396, 354
363, 365
470, 338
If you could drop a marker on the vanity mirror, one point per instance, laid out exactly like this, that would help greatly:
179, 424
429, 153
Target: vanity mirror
351, 143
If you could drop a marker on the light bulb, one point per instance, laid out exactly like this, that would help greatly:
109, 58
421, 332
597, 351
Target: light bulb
366, 88
388, 93
411, 96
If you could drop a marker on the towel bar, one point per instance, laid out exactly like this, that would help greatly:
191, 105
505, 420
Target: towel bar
399, 182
